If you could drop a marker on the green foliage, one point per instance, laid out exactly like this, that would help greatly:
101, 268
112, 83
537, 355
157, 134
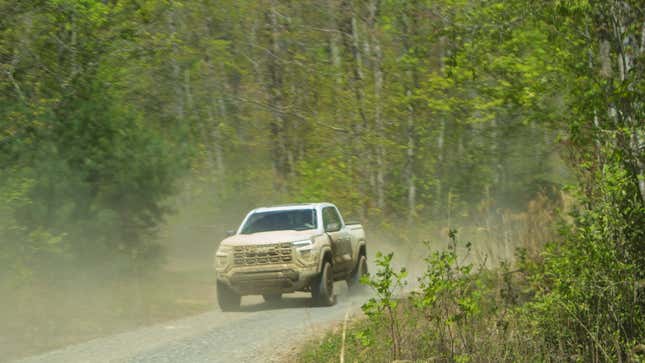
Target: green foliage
581, 300
446, 110
453, 314
90, 171
386, 283
21, 246
450, 298
105, 106
392, 109
511, 71
587, 299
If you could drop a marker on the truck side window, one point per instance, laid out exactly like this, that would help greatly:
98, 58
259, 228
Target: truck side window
330, 216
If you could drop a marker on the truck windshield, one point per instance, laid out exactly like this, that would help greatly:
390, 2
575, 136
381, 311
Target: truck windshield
297, 219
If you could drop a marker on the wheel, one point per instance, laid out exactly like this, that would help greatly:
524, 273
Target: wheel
354, 280
227, 299
272, 298
322, 288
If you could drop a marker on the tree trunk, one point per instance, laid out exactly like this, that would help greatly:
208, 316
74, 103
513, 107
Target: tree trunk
278, 124
333, 42
627, 49
215, 152
176, 69
349, 28
441, 137
411, 133
378, 106
409, 172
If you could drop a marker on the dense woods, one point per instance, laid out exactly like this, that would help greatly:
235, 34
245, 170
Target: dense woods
397, 110
113, 113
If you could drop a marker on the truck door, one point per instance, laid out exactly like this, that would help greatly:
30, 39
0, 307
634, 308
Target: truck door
341, 242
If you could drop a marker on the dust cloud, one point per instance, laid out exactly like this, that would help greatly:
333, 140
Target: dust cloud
77, 304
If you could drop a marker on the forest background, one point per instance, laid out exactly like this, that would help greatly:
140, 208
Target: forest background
133, 133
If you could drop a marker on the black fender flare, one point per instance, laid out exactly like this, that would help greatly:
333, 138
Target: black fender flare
323, 253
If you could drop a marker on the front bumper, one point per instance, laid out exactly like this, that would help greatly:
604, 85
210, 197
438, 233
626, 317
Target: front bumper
280, 278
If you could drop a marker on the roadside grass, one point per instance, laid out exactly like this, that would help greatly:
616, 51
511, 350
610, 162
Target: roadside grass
328, 347
493, 335
580, 298
45, 316
577, 296
459, 312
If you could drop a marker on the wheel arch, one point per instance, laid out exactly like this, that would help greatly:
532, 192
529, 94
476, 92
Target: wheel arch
362, 248
325, 256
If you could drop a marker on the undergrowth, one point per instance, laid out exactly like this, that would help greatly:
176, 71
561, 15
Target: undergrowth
580, 299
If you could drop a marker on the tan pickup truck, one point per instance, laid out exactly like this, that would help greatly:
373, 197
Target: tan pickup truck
282, 249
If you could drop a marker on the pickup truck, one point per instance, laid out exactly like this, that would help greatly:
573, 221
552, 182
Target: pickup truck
288, 248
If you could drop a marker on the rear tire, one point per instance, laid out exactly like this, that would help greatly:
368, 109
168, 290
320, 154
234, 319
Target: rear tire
354, 280
322, 288
227, 299
272, 298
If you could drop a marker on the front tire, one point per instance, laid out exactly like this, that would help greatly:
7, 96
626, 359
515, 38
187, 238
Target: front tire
227, 299
322, 288
354, 280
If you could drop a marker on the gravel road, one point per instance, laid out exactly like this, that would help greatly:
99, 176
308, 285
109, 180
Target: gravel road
258, 332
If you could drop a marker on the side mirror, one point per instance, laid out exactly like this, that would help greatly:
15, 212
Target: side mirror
332, 227
230, 233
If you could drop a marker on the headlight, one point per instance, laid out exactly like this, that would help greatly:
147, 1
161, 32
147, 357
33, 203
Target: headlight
306, 254
304, 249
224, 250
221, 261
221, 256
302, 245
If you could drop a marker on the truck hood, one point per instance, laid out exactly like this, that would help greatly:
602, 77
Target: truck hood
265, 238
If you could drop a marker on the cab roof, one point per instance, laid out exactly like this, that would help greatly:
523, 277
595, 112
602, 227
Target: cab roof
292, 206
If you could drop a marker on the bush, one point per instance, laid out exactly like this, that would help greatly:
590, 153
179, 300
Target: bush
578, 300
587, 303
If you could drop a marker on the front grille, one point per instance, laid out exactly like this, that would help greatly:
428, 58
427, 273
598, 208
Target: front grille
262, 254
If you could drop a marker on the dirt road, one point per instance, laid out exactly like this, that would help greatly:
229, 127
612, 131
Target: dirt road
258, 332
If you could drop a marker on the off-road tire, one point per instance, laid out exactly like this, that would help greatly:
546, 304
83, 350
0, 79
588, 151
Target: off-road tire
322, 288
272, 298
354, 280
227, 299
